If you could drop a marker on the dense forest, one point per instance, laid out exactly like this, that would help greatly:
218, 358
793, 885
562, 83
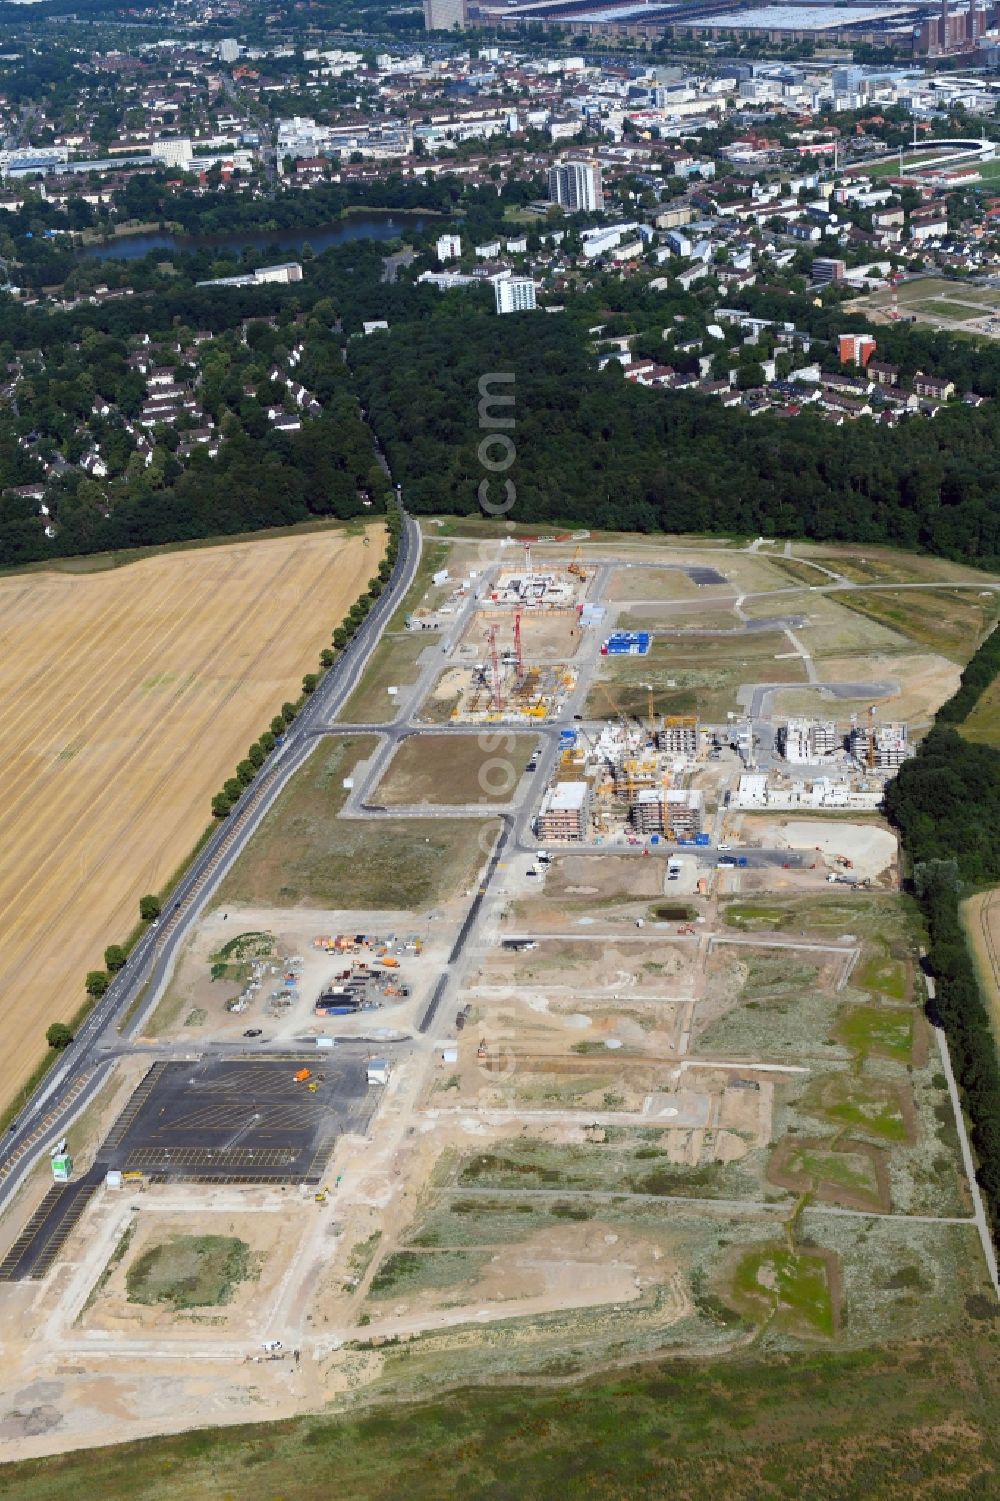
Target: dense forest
946, 805
593, 449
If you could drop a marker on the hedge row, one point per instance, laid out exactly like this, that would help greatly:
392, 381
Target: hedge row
116, 955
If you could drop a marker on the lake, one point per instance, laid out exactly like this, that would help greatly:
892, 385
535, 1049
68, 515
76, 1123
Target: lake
287, 241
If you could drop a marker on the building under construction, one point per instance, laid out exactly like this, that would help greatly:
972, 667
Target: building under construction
677, 812
505, 686
880, 747
806, 741
565, 813
625, 780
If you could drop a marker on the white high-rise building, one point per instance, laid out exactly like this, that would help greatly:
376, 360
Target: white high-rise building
576, 186
449, 247
229, 49
444, 15
173, 151
515, 294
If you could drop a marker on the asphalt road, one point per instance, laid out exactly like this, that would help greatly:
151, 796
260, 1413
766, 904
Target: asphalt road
136, 988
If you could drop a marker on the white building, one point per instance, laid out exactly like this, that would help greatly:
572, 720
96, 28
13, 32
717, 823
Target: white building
576, 186
449, 247
172, 151
229, 49
808, 740
515, 295
444, 15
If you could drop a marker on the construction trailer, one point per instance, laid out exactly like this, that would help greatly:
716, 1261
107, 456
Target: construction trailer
626, 644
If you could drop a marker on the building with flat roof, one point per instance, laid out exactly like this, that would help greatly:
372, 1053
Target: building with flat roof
678, 811
444, 15
806, 740
515, 295
565, 812
883, 746
678, 735
576, 186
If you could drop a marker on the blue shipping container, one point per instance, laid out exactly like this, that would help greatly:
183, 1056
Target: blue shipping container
702, 839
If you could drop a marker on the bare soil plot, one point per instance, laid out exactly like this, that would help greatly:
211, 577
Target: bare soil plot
699, 615
567, 1265
127, 697
653, 966
546, 635
204, 1267
981, 919
582, 880
455, 769
871, 847
700, 676
667, 584
924, 682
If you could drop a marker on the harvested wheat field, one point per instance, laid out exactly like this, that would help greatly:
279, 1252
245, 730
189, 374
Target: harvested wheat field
126, 699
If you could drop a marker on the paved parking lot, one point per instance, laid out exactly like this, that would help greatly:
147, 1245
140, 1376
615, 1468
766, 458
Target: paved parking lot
214, 1121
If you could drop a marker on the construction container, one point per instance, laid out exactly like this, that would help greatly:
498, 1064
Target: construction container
626, 644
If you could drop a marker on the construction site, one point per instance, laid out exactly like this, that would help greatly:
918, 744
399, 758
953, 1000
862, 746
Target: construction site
627, 781
624, 1062
837, 767
520, 671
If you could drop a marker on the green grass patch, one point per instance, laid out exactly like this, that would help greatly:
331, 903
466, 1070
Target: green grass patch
190, 1271
887, 976
753, 917
949, 621
790, 1287
851, 1170
828, 1424
982, 726
876, 1029
413, 1271
941, 307
303, 853
393, 663
866, 1105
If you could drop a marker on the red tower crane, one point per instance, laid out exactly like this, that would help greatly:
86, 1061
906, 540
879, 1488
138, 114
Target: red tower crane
496, 701
517, 648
